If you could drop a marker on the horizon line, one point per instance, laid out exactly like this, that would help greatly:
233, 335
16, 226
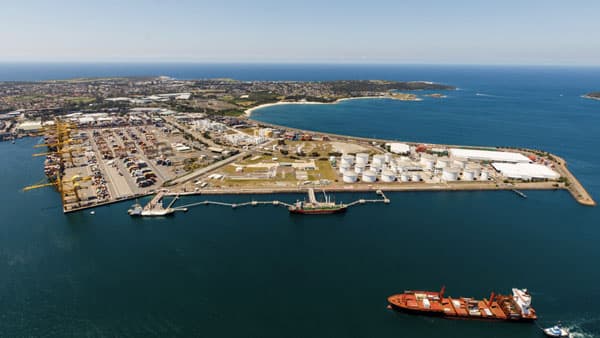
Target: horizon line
293, 62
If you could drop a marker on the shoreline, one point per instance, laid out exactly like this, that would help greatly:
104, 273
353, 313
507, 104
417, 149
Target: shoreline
248, 112
355, 188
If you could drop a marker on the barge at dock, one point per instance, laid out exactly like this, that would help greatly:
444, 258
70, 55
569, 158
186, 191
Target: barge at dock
515, 307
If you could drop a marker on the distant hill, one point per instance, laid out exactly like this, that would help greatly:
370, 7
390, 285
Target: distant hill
383, 86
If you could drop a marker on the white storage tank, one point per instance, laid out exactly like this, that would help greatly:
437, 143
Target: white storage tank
388, 176
361, 164
416, 177
442, 162
369, 176
378, 160
347, 159
475, 168
460, 163
404, 178
376, 164
362, 158
468, 175
427, 161
375, 169
359, 170
344, 167
404, 168
387, 157
450, 174
350, 177
485, 176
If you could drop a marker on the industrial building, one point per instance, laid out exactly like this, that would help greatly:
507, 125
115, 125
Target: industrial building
29, 126
525, 171
399, 148
488, 155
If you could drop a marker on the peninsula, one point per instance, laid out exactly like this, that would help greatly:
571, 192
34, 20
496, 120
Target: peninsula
109, 140
593, 96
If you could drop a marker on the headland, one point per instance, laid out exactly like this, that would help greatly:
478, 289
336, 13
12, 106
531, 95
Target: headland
196, 137
592, 96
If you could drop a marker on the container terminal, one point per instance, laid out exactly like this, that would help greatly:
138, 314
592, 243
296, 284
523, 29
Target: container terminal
107, 158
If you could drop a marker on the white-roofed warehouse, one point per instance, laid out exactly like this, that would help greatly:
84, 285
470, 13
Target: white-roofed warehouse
399, 148
489, 155
525, 171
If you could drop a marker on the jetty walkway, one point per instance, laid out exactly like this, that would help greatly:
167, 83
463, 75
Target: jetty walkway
311, 196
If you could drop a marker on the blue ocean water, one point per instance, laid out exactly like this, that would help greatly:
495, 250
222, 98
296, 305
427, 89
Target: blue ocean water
259, 272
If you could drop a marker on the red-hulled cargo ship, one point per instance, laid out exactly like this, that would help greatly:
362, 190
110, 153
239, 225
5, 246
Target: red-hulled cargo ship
516, 307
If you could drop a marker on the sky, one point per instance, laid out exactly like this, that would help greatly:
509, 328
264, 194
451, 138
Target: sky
304, 31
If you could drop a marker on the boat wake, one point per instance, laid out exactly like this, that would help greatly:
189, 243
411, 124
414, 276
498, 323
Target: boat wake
577, 334
486, 95
578, 330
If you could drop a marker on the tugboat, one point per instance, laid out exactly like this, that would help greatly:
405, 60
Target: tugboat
314, 207
515, 307
557, 331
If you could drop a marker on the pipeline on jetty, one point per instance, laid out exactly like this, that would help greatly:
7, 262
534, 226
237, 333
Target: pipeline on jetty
157, 206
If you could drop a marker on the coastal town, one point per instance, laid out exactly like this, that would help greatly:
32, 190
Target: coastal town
110, 140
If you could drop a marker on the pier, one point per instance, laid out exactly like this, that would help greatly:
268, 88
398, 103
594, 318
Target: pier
520, 193
155, 206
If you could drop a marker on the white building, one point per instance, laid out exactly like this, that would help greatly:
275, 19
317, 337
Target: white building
488, 155
29, 126
208, 125
399, 148
525, 171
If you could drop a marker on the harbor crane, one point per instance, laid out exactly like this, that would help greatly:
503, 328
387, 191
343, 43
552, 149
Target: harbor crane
63, 186
61, 152
59, 183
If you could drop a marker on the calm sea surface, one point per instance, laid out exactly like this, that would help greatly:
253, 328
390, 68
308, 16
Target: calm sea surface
259, 272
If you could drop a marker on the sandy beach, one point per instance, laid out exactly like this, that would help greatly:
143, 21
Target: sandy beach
248, 112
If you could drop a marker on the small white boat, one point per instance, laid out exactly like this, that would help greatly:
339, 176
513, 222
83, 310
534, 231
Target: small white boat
557, 331
92, 212
135, 210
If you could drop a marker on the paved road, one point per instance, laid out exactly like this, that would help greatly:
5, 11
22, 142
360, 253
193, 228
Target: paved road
194, 133
202, 171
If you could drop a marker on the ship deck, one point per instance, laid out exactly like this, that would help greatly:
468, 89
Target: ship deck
430, 303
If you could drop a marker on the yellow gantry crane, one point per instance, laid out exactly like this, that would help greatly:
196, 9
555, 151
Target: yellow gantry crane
69, 151
56, 144
64, 187
60, 141
60, 183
